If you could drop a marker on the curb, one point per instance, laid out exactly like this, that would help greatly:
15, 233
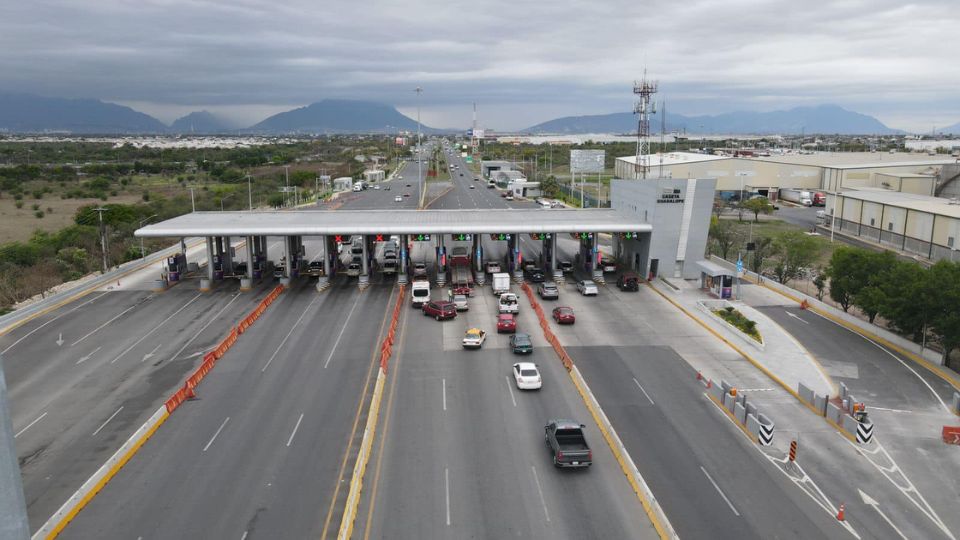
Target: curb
656, 515
370, 430
69, 510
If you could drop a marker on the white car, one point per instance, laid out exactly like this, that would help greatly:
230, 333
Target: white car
376, 187
587, 287
527, 376
398, 199
508, 303
474, 338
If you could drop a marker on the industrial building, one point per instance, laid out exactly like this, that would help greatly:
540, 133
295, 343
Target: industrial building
908, 173
920, 225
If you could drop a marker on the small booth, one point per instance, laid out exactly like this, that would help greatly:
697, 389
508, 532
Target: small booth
716, 279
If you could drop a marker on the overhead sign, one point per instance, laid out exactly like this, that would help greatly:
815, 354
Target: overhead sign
540, 236
587, 161
629, 235
461, 237
500, 236
583, 235
420, 237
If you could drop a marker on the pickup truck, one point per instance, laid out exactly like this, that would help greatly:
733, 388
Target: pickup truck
566, 442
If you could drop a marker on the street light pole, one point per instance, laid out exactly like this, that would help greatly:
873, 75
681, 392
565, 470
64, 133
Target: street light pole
142, 253
249, 193
286, 173
193, 204
419, 149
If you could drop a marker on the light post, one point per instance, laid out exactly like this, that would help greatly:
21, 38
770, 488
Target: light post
225, 198
286, 174
249, 193
419, 149
193, 204
142, 221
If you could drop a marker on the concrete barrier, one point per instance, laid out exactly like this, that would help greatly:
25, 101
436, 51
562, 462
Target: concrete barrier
204, 285
956, 403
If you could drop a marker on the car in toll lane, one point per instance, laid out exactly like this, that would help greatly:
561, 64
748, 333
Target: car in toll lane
440, 310
508, 303
566, 267
628, 281
548, 290
520, 343
608, 265
527, 376
492, 267
535, 275
473, 338
506, 323
419, 270
460, 301
564, 315
587, 287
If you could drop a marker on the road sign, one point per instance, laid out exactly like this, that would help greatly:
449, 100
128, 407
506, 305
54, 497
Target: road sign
501, 236
420, 237
739, 265
629, 235
461, 237
540, 236
583, 235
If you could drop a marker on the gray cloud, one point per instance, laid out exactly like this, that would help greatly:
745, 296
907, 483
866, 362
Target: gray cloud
522, 61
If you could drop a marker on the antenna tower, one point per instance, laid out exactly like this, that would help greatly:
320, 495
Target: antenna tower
644, 107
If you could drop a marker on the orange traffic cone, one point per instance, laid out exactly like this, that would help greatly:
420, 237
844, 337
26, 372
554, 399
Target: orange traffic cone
840, 516
191, 395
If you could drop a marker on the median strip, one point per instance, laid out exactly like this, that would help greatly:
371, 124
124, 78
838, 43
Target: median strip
62, 517
651, 507
369, 431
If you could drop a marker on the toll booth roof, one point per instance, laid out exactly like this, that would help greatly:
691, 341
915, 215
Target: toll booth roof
467, 221
713, 269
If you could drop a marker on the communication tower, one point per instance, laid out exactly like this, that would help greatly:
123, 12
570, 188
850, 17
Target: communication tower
644, 107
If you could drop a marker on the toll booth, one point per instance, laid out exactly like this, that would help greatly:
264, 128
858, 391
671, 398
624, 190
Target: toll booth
176, 267
217, 266
716, 279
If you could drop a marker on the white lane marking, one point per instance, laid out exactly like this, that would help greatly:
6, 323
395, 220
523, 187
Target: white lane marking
195, 336
510, 389
227, 419
87, 357
444, 394
30, 333
286, 337
446, 475
102, 326
870, 501
543, 501
295, 428
103, 425
244, 537
875, 408
644, 391
795, 316
720, 491
155, 328
39, 418
897, 358
150, 354
340, 335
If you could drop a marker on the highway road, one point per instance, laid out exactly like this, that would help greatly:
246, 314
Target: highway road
260, 453
83, 377
461, 452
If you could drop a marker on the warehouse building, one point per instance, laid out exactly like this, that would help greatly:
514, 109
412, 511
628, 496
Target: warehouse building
920, 225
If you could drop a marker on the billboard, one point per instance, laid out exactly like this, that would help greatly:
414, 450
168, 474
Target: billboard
587, 161
400, 141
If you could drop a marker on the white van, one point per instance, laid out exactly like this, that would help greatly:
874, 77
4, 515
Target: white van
420, 293
545, 204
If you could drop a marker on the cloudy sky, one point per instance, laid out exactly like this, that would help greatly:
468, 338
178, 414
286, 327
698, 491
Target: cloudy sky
522, 62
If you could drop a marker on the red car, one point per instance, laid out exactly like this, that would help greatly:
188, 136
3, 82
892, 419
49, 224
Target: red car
564, 315
506, 322
440, 310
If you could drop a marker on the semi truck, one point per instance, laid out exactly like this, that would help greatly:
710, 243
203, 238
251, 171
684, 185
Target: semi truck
461, 275
796, 196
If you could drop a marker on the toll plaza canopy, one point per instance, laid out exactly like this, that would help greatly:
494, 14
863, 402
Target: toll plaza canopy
467, 221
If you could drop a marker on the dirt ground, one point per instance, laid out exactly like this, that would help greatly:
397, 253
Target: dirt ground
20, 224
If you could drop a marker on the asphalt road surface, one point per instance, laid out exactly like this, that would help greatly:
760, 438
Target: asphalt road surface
259, 454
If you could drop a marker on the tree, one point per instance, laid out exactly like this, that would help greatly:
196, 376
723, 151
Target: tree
820, 282
763, 247
740, 208
943, 279
874, 272
550, 186
907, 298
757, 206
797, 251
725, 234
845, 273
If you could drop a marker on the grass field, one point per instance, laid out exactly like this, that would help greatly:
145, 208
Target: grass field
19, 224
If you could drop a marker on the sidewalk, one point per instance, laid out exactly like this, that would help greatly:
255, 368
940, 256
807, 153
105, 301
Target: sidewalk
781, 356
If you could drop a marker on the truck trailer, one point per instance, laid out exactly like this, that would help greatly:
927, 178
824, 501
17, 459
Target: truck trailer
796, 196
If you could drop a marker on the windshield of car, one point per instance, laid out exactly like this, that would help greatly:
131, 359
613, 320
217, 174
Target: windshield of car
421, 292
528, 373
504, 299
521, 339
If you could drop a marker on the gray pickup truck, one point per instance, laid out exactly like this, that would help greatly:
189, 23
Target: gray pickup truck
567, 444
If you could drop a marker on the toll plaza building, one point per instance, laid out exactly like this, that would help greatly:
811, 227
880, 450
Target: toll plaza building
653, 228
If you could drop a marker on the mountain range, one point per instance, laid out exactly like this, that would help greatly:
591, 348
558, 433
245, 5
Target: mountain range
27, 113
819, 119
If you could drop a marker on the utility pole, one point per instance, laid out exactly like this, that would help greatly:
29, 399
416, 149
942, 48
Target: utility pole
193, 204
249, 193
419, 91
286, 173
103, 236
143, 254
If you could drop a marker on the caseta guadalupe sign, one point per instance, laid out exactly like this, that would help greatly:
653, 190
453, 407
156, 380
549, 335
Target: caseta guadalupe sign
670, 195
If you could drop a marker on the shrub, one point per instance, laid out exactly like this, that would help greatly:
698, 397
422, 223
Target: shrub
19, 204
39, 214
37, 194
35, 206
740, 321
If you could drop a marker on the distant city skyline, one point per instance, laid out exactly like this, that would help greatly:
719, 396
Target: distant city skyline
522, 64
